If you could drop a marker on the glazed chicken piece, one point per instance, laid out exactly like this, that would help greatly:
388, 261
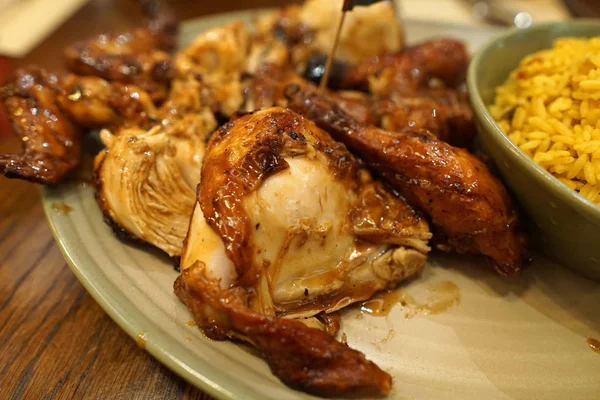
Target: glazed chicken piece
138, 56
72, 102
48, 112
303, 358
288, 225
411, 89
442, 61
50, 141
266, 88
469, 207
444, 112
146, 180
95, 103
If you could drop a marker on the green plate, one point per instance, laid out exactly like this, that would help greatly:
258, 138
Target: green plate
519, 338
564, 225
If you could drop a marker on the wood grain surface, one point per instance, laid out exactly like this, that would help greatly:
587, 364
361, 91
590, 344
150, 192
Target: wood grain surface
55, 341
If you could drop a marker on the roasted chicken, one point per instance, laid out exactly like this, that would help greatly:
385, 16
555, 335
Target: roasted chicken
310, 28
420, 87
48, 111
50, 141
446, 113
138, 56
303, 358
468, 206
146, 180
429, 64
289, 225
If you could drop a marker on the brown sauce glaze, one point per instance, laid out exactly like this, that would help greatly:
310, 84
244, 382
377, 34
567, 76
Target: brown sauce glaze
594, 345
63, 208
441, 296
141, 340
382, 304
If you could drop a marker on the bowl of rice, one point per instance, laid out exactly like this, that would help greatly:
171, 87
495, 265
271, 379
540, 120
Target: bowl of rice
536, 96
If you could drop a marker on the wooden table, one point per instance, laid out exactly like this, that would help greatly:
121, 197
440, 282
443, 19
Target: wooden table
55, 341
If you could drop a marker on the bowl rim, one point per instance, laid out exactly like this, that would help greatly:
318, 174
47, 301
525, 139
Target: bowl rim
556, 187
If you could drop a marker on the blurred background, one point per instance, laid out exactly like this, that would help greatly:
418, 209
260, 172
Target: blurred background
36, 31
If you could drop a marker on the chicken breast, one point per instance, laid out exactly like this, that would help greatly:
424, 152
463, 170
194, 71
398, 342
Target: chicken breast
146, 180
289, 225
469, 207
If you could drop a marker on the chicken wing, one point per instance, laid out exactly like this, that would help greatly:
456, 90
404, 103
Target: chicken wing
94, 103
470, 207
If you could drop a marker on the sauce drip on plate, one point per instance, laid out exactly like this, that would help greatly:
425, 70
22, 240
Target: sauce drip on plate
141, 340
382, 304
440, 297
594, 344
63, 208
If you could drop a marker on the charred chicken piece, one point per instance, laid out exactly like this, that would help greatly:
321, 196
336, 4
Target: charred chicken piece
267, 85
469, 207
289, 224
444, 112
50, 141
146, 180
48, 112
138, 56
265, 88
303, 358
93, 103
436, 62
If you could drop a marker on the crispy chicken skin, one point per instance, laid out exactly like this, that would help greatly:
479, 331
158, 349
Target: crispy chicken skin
303, 358
127, 57
138, 56
289, 226
49, 140
245, 169
469, 207
48, 111
94, 103
445, 60
444, 112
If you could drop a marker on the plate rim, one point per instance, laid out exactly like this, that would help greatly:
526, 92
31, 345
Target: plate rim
122, 310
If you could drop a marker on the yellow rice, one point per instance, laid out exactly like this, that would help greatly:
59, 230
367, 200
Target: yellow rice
550, 108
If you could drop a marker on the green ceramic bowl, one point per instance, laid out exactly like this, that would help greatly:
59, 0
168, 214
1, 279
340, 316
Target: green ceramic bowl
562, 224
